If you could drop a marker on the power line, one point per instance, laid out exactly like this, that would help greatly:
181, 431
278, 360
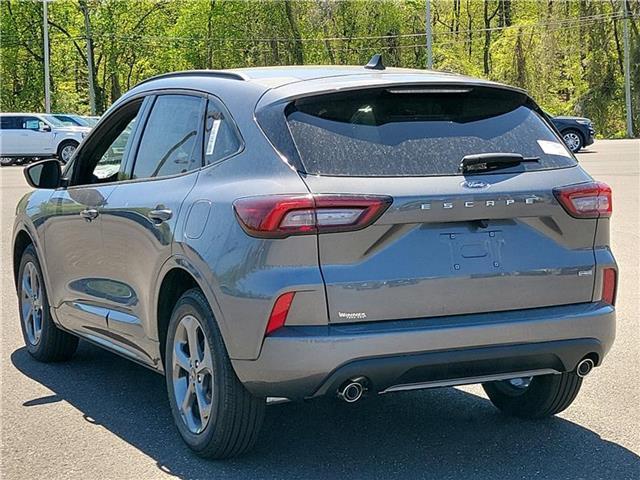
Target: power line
560, 25
566, 21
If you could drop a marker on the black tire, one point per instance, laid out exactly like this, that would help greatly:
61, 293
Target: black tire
53, 345
62, 146
236, 416
574, 146
546, 395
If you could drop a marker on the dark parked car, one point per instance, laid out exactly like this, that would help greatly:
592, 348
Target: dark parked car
293, 232
577, 132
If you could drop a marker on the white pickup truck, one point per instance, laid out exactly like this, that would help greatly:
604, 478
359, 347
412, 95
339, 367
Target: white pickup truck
28, 135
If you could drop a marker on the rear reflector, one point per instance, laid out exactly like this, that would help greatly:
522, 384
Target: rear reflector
609, 281
279, 216
279, 312
586, 200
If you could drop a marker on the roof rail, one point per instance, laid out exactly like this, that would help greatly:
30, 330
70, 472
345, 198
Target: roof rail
188, 73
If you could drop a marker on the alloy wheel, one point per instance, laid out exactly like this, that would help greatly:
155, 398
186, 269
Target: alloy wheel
67, 152
192, 374
573, 141
31, 303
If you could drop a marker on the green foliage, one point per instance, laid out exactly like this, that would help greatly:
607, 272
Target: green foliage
566, 54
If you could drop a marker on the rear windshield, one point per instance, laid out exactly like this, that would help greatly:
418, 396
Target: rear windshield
419, 131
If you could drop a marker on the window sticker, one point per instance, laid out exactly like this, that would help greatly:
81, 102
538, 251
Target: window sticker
553, 148
213, 136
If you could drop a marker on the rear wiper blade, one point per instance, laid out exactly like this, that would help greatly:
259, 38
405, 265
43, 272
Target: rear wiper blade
482, 162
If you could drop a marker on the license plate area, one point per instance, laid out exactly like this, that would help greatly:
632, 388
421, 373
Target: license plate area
475, 252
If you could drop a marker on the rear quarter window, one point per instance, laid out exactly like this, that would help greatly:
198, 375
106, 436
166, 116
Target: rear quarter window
419, 131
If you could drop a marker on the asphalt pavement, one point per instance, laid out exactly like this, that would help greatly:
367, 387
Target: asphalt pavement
100, 416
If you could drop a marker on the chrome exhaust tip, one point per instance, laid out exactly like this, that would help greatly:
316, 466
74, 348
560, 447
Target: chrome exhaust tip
584, 367
352, 390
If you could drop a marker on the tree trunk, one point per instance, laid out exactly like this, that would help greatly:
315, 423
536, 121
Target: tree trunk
617, 40
487, 36
487, 39
520, 62
326, 13
212, 4
505, 13
469, 28
297, 42
91, 66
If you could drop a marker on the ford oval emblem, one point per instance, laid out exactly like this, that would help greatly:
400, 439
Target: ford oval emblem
475, 184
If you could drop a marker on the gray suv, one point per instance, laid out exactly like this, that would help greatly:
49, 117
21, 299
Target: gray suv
279, 234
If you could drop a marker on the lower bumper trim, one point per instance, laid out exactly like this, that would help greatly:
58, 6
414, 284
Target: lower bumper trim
464, 366
469, 380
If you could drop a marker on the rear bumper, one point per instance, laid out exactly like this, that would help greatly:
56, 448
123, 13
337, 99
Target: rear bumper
304, 362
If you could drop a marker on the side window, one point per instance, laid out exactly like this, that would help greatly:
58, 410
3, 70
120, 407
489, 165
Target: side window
8, 123
171, 142
221, 137
30, 123
108, 165
101, 160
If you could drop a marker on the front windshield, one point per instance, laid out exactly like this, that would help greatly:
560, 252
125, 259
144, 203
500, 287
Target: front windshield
56, 122
90, 121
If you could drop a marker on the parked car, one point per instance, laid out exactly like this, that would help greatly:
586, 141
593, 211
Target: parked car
286, 233
25, 135
76, 120
577, 132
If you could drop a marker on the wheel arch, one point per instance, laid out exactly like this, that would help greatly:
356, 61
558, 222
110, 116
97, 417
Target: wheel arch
20, 243
66, 141
177, 276
24, 234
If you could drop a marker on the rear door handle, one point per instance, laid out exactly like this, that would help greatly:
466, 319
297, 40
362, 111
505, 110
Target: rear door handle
160, 215
89, 214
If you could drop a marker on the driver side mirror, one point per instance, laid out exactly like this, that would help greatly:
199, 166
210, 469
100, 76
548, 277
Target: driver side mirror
44, 174
45, 128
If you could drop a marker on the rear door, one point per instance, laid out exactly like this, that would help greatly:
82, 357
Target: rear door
450, 243
21, 135
9, 135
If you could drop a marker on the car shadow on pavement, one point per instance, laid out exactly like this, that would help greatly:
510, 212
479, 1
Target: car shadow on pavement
443, 433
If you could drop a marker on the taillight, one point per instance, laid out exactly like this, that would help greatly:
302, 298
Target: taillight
586, 200
279, 312
609, 280
279, 216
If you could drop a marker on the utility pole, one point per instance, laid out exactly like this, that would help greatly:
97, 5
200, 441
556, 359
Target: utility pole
45, 41
427, 25
627, 68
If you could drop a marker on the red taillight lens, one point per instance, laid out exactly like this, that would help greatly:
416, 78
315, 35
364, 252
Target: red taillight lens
279, 312
609, 280
279, 216
586, 200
